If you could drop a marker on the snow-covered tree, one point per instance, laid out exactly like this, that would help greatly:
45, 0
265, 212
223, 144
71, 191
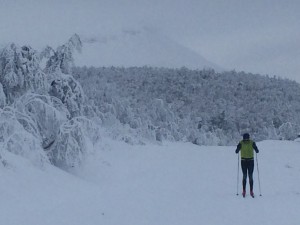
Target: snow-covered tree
62, 59
41, 122
20, 72
62, 84
46, 112
76, 139
288, 131
15, 138
69, 91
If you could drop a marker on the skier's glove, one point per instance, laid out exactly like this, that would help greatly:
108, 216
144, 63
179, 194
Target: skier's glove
257, 151
237, 151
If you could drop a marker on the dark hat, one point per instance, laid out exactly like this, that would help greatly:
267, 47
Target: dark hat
246, 136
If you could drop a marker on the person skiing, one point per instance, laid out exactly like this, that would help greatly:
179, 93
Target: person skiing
247, 148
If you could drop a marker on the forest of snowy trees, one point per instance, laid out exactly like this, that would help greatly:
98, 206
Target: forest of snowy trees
198, 106
55, 112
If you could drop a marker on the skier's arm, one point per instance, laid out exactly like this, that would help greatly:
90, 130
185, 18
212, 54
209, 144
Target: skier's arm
238, 148
255, 147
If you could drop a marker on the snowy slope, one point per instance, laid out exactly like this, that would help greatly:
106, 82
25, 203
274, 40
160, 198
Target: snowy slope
142, 47
170, 184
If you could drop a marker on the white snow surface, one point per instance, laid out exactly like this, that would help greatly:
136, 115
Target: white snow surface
167, 184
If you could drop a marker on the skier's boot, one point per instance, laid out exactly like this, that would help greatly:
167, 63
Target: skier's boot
252, 194
244, 193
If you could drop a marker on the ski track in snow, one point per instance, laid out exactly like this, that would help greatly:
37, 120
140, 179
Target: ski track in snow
169, 184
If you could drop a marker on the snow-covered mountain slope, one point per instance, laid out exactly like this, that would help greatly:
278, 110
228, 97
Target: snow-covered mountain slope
170, 184
143, 47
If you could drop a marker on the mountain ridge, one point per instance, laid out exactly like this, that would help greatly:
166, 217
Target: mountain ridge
143, 47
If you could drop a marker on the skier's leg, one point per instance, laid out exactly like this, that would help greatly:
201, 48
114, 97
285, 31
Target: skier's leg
250, 173
244, 170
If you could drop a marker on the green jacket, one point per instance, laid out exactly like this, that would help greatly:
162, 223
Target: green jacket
247, 148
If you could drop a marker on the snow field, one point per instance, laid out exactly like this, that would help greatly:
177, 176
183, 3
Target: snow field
168, 184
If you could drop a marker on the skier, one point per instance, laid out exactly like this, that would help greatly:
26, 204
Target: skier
246, 146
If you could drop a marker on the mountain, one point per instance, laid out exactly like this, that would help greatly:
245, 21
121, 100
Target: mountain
139, 48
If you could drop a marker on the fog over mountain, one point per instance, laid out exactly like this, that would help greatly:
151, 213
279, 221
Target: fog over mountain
139, 47
252, 36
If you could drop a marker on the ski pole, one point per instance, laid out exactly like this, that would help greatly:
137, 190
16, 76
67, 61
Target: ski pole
258, 175
238, 173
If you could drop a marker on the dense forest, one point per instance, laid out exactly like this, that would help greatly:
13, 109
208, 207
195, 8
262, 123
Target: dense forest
199, 106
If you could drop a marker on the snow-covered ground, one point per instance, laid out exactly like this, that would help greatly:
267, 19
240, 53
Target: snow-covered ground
168, 184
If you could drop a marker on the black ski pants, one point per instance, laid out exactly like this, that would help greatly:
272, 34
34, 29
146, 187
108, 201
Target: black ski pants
247, 168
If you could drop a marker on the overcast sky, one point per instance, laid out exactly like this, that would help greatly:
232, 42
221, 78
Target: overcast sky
258, 36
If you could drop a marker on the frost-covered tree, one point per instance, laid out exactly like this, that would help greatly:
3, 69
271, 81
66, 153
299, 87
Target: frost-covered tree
61, 59
59, 73
2, 97
288, 131
74, 141
69, 91
46, 112
15, 138
41, 122
20, 72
